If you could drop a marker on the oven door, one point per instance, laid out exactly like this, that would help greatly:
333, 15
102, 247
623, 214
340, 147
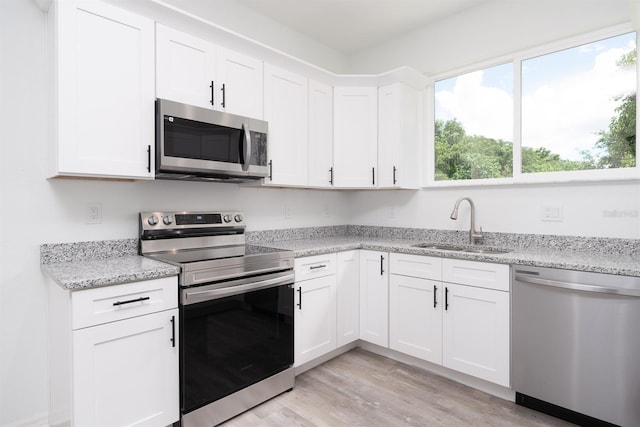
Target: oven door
233, 335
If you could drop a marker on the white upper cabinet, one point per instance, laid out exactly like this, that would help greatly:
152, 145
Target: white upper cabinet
196, 72
103, 91
185, 68
399, 131
320, 135
355, 137
241, 88
286, 111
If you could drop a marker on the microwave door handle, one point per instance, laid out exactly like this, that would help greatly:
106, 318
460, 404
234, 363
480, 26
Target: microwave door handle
245, 153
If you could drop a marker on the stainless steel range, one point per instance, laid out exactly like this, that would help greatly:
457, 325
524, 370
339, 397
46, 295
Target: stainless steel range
236, 312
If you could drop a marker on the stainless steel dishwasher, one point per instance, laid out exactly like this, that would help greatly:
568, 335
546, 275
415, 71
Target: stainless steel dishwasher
576, 345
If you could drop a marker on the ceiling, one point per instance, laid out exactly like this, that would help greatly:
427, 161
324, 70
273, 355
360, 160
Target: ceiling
348, 26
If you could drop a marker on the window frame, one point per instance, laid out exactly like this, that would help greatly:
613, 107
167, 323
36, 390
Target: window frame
428, 178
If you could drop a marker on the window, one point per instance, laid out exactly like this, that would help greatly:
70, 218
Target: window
474, 125
577, 112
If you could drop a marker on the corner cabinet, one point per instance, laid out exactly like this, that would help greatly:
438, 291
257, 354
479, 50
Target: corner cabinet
114, 354
355, 137
286, 110
102, 83
196, 72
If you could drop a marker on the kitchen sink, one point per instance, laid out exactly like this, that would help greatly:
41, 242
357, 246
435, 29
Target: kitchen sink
459, 248
486, 251
439, 246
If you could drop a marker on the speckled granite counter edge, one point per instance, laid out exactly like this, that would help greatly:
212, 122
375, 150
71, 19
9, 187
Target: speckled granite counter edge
82, 265
596, 245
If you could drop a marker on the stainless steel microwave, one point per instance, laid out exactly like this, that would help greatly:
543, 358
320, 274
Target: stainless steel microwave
194, 143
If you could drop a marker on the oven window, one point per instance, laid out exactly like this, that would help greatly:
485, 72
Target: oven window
195, 140
233, 342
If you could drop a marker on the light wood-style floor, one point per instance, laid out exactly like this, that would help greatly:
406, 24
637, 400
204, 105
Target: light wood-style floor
360, 388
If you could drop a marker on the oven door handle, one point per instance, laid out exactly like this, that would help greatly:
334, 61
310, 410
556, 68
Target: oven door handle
246, 285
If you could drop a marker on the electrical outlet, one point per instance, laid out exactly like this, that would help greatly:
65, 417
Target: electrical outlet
93, 213
551, 213
288, 212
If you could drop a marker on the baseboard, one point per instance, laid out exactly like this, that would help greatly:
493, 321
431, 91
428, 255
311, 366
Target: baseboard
38, 420
324, 358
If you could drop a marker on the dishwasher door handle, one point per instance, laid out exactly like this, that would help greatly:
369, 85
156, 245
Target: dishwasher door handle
578, 286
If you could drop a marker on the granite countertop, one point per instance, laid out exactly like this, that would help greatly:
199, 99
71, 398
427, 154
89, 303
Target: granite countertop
84, 265
619, 264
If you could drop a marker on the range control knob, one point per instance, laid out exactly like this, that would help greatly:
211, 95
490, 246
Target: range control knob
238, 218
167, 220
152, 220
226, 218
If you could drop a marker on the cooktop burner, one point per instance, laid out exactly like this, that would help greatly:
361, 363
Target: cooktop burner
207, 246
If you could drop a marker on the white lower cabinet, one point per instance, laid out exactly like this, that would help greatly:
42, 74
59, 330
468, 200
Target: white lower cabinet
315, 307
452, 312
327, 304
125, 373
315, 318
348, 297
114, 354
415, 317
475, 332
374, 297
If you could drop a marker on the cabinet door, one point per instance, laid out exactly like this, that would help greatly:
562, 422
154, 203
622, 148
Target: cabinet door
415, 317
398, 136
374, 297
348, 297
242, 79
320, 135
476, 332
185, 70
286, 108
355, 136
126, 372
105, 92
315, 318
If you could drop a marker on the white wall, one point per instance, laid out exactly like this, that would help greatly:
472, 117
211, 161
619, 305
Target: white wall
597, 210
489, 31
34, 210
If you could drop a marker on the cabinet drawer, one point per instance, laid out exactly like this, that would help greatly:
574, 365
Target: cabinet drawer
101, 305
315, 266
473, 273
424, 267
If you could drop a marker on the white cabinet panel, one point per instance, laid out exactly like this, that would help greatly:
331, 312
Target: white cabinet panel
481, 274
425, 267
241, 76
415, 317
104, 91
320, 135
399, 132
126, 372
311, 267
476, 332
374, 297
348, 297
111, 303
286, 110
315, 318
185, 70
355, 136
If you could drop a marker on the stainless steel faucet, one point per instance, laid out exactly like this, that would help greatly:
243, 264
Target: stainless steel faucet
474, 236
